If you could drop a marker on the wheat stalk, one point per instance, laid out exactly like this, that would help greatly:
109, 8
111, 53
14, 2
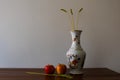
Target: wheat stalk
71, 16
77, 21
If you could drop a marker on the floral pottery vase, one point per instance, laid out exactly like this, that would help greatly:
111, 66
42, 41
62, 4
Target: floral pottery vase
75, 54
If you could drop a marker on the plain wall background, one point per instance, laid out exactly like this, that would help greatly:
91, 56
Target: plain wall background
34, 33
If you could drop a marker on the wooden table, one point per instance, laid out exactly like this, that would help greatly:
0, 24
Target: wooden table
89, 74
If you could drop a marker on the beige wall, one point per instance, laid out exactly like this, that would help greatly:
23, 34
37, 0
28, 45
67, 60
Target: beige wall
34, 33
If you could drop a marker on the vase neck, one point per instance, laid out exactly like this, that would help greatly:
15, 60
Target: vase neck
76, 38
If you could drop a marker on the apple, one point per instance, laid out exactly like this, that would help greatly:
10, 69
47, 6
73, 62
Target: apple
49, 69
61, 69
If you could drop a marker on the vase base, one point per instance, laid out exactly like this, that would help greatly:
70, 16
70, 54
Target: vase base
75, 72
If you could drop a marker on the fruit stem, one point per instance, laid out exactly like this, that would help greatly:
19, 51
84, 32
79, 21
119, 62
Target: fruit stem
61, 75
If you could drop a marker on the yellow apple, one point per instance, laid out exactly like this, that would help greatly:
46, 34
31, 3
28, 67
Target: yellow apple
61, 69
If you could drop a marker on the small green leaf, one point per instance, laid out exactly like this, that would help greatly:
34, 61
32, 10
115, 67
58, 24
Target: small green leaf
64, 10
80, 10
71, 11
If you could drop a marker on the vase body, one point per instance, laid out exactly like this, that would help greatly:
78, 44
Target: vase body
76, 55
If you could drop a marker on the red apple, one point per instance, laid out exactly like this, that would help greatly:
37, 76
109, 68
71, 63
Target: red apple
49, 69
